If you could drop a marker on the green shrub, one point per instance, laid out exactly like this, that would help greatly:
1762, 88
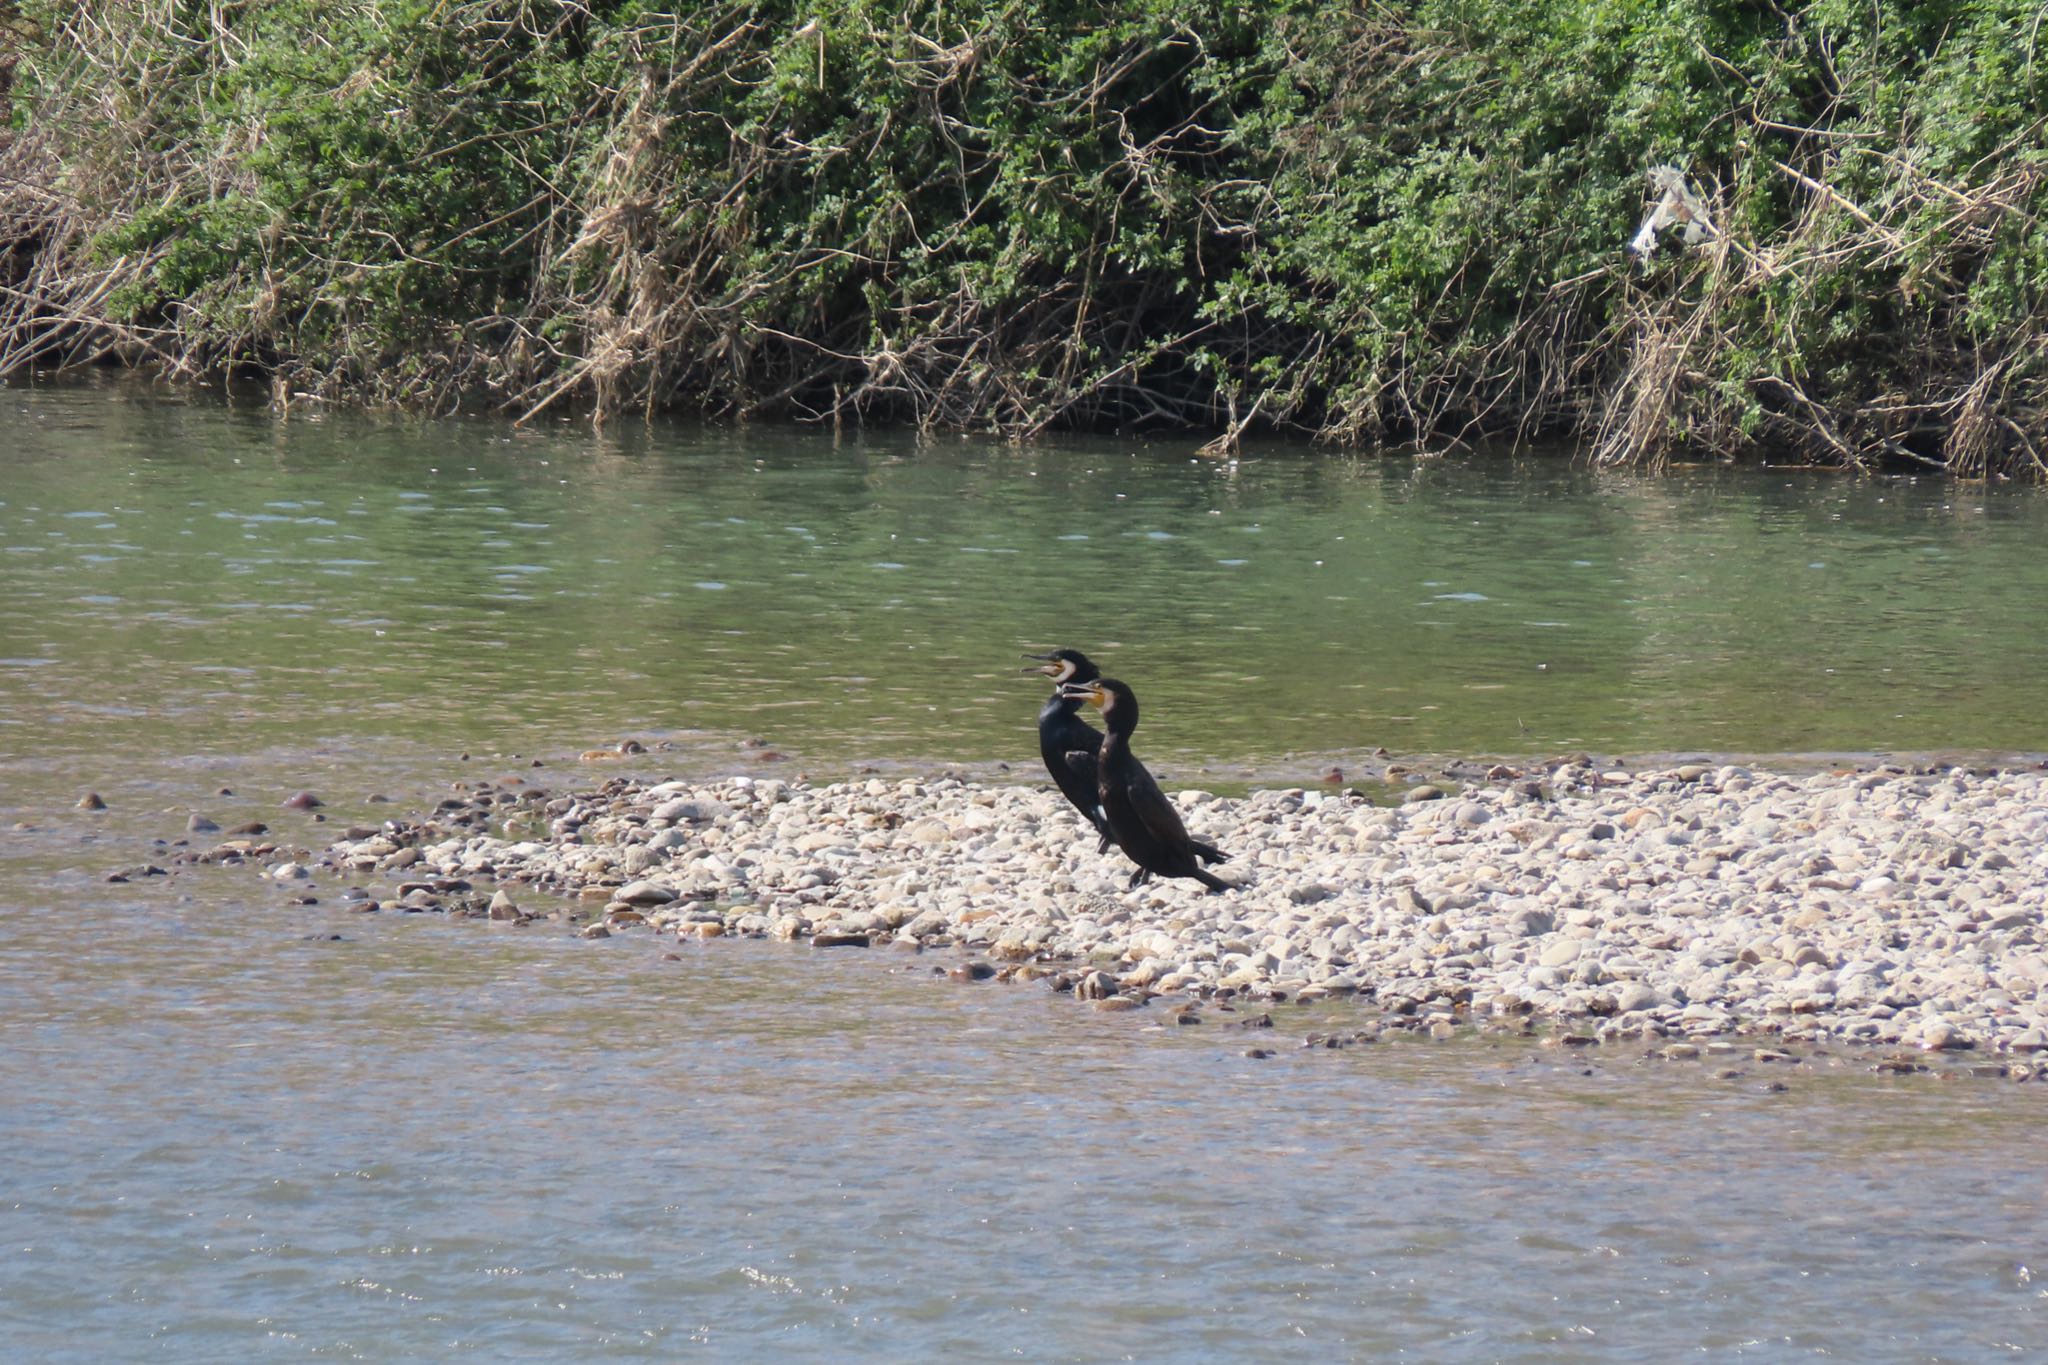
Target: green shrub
1402, 219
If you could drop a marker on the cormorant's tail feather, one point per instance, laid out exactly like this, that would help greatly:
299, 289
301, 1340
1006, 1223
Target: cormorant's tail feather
1209, 853
1211, 880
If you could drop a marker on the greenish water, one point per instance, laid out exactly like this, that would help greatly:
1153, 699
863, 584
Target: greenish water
186, 578
240, 1127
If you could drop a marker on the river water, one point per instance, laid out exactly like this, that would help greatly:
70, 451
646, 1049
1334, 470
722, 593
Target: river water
237, 1127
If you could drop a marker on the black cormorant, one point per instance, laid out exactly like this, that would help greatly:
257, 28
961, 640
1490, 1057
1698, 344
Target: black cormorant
1140, 817
1067, 743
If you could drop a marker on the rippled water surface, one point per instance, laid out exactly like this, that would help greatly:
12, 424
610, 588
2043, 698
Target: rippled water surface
200, 578
234, 1127
237, 1128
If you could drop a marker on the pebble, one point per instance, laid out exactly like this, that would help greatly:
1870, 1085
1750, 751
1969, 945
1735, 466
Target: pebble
1941, 1036
1894, 908
1635, 996
1095, 986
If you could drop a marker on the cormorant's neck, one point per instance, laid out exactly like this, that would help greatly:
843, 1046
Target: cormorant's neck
1057, 706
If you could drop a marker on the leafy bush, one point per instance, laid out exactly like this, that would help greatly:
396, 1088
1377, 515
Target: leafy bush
1402, 219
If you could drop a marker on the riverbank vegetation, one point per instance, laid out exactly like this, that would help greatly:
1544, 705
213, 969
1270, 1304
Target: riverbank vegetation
1395, 220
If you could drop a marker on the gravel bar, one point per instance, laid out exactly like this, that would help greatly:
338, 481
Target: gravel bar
1695, 902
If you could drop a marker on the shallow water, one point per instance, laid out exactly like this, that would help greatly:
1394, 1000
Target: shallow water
232, 1133
236, 1127
194, 579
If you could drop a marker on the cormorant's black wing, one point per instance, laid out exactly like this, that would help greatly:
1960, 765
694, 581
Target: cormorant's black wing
1154, 811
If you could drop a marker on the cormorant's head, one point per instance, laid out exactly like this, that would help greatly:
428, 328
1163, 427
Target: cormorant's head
1116, 701
1064, 666
1094, 693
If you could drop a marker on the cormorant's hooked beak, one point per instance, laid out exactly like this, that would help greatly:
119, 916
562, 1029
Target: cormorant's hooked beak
1050, 666
1091, 693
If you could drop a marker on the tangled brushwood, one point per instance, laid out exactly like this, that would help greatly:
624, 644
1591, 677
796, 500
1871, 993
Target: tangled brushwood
1671, 230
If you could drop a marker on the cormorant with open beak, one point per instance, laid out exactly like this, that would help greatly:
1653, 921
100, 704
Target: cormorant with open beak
1067, 743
